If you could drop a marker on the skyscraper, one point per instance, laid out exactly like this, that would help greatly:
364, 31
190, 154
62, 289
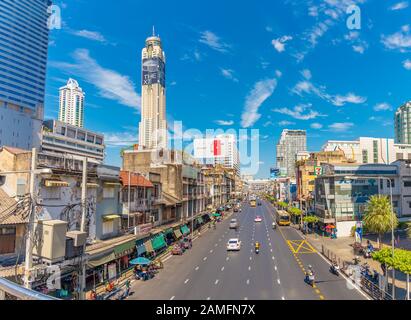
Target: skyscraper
291, 142
23, 59
72, 104
403, 124
153, 125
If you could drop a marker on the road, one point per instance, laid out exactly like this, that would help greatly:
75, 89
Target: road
209, 272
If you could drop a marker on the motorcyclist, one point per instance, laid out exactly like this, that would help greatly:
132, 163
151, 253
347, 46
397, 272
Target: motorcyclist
274, 225
257, 246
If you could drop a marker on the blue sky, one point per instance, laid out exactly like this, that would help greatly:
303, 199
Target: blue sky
269, 65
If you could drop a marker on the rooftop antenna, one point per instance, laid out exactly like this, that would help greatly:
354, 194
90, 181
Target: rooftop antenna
154, 32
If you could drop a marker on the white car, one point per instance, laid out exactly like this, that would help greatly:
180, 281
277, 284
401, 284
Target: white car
258, 219
234, 245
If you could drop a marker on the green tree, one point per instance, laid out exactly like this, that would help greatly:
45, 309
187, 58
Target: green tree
311, 219
379, 216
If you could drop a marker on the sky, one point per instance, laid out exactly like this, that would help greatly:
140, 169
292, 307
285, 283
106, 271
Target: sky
266, 65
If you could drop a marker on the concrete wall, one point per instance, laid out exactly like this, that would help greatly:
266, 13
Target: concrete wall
344, 228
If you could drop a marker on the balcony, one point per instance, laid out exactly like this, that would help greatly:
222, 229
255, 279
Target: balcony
140, 205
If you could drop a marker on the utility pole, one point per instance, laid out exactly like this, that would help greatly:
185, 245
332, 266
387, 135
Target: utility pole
83, 227
28, 263
128, 199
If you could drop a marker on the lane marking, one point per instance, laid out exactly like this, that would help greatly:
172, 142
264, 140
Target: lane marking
249, 268
211, 251
275, 268
278, 281
205, 258
197, 268
282, 298
222, 269
172, 298
208, 298
248, 281
187, 280
228, 258
216, 282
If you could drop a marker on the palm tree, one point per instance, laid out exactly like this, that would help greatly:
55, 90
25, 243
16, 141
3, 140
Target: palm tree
379, 216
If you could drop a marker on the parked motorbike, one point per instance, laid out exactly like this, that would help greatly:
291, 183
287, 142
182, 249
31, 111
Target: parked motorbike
335, 269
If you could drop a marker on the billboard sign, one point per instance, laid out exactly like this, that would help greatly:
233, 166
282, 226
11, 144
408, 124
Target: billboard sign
318, 171
274, 173
154, 71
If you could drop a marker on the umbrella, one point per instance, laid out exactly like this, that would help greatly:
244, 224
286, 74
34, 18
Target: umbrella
140, 261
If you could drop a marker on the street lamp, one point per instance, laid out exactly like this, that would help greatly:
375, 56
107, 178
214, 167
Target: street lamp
392, 223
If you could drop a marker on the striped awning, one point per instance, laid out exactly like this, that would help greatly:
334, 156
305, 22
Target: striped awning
55, 183
112, 184
149, 246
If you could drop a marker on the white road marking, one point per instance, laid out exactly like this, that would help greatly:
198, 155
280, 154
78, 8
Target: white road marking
273, 258
187, 280
172, 298
271, 250
275, 268
216, 245
208, 298
197, 268
245, 298
228, 258
205, 258
282, 298
249, 268
211, 251
222, 269
216, 282
251, 258
248, 281
278, 281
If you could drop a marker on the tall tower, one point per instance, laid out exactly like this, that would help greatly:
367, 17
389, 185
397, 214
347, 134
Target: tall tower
402, 124
72, 104
153, 125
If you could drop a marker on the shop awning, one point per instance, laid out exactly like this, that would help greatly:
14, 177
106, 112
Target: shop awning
141, 250
178, 233
124, 247
148, 246
185, 230
106, 258
92, 185
55, 183
158, 242
111, 217
168, 231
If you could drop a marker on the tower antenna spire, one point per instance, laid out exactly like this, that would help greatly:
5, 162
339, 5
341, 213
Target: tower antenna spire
154, 31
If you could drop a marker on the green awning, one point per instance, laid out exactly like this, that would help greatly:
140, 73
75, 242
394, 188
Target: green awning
185, 230
106, 258
216, 215
177, 233
124, 247
158, 242
168, 231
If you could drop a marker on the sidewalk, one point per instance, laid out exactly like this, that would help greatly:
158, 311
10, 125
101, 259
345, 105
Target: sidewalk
343, 252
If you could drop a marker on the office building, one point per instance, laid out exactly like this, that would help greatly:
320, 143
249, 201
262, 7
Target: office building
221, 150
63, 138
23, 58
153, 125
370, 150
290, 144
72, 104
402, 124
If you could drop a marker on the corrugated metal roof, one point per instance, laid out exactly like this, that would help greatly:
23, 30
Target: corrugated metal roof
10, 214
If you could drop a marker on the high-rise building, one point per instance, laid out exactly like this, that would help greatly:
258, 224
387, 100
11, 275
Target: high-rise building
402, 124
153, 125
72, 104
220, 150
23, 59
290, 144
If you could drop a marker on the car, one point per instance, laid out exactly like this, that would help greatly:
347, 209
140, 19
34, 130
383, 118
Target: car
258, 219
233, 224
234, 245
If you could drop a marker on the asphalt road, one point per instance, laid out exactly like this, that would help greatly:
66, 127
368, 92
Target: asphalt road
209, 272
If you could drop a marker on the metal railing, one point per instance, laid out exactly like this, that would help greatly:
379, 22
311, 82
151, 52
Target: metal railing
12, 291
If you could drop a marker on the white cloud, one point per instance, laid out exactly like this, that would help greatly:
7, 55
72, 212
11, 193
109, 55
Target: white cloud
228, 74
307, 87
285, 123
316, 125
111, 84
258, 95
298, 112
279, 43
399, 6
278, 73
120, 139
213, 41
224, 122
382, 107
359, 48
306, 74
92, 35
340, 126
407, 64
400, 40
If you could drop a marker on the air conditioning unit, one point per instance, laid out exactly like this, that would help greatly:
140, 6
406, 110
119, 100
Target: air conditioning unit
79, 237
50, 240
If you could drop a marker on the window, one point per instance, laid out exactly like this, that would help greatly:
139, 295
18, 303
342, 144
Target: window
391, 184
108, 227
52, 193
21, 187
108, 193
407, 184
364, 156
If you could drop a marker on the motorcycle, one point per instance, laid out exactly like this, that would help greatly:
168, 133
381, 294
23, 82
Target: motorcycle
274, 226
309, 278
257, 250
335, 269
